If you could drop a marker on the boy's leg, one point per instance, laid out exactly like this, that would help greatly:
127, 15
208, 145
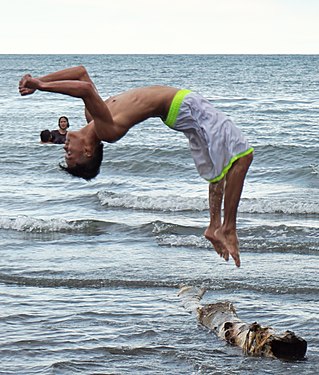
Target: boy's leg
227, 233
216, 193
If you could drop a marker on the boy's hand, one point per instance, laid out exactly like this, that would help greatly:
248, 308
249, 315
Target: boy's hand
23, 85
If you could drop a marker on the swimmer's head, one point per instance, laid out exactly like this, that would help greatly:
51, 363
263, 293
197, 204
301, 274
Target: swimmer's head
63, 123
46, 136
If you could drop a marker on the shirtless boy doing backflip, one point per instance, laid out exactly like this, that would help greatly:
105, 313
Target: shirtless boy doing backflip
220, 152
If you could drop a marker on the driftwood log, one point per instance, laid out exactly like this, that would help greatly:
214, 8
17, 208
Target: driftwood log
254, 339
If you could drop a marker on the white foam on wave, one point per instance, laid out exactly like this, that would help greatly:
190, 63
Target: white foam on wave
29, 224
281, 205
294, 205
170, 202
192, 241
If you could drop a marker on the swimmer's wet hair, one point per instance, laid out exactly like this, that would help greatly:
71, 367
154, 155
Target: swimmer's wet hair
45, 136
88, 170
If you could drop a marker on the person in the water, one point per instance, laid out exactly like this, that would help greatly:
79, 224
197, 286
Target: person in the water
59, 135
46, 136
220, 152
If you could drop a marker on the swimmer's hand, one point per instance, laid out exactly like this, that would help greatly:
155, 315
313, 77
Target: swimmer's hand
26, 86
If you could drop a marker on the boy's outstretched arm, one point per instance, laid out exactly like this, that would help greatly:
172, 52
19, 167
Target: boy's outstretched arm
78, 73
104, 125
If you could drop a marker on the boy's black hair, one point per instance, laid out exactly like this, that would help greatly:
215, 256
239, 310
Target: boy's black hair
45, 136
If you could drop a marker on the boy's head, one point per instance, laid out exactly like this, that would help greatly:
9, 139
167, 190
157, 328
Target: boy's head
82, 160
46, 136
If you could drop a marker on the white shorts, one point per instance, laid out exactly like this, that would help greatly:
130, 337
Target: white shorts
215, 142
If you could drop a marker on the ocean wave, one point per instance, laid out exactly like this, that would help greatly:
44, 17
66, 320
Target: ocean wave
45, 282
172, 203
292, 239
282, 205
178, 205
247, 245
292, 205
88, 226
29, 224
35, 225
214, 284
253, 239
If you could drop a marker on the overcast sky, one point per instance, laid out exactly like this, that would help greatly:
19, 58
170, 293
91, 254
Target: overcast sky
159, 26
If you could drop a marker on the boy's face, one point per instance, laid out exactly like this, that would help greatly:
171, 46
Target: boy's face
74, 149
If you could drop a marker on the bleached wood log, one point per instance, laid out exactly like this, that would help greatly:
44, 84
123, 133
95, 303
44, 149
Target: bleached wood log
254, 339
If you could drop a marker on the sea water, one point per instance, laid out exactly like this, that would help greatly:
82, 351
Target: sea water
90, 271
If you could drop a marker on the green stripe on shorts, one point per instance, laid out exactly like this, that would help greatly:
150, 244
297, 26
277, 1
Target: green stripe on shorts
175, 106
229, 165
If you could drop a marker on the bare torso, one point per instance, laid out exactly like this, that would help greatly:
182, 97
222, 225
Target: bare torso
136, 105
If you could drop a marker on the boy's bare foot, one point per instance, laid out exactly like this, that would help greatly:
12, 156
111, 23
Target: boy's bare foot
220, 249
229, 241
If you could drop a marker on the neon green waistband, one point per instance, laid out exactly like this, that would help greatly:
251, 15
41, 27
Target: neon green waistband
175, 106
229, 165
